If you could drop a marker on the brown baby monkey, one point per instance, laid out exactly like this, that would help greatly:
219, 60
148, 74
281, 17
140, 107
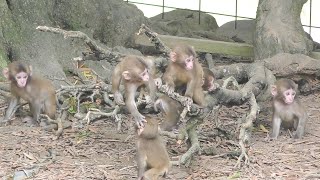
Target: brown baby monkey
288, 112
37, 91
153, 159
172, 110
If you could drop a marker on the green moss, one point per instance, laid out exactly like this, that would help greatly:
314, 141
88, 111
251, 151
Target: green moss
204, 45
3, 58
315, 55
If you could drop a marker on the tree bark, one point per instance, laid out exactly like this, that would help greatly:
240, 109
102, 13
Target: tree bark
279, 29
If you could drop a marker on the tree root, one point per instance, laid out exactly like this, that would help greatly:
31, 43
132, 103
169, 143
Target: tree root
245, 131
60, 123
191, 134
98, 114
195, 147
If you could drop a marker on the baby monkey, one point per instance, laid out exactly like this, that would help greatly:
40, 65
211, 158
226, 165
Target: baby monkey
37, 91
287, 110
133, 72
153, 159
172, 110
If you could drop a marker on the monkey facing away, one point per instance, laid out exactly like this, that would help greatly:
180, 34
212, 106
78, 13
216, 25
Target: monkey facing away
208, 80
38, 92
184, 71
172, 110
287, 110
152, 157
133, 71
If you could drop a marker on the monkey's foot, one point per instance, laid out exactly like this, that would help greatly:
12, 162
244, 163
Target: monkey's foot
30, 121
118, 98
269, 138
297, 135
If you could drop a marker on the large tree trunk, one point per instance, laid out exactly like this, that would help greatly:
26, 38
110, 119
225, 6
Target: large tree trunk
279, 29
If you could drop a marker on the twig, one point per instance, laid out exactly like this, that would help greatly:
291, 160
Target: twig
103, 53
100, 114
154, 39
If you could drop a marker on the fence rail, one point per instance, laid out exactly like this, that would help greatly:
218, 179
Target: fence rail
221, 14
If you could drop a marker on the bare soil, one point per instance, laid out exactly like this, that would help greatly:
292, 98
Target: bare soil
103, 153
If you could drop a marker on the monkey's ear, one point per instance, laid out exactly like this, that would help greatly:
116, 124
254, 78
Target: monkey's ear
173, 56
126, 75
5, 73
274, 90
30, 68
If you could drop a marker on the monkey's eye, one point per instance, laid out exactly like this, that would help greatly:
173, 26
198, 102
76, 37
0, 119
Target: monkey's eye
293, 94
189, 59
287, 93
144, 74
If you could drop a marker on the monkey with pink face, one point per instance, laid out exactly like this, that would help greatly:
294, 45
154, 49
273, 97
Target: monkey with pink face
38, 92
288, 112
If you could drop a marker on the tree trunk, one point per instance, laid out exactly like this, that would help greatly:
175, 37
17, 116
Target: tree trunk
279, 29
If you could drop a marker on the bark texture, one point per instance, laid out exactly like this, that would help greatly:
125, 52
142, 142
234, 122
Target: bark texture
279, 29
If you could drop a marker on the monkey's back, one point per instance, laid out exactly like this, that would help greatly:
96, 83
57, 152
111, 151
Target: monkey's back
156, 154
37, 88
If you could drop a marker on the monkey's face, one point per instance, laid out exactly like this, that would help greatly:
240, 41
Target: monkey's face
144, 75
189, 62
21, 79
288, 96
207, 83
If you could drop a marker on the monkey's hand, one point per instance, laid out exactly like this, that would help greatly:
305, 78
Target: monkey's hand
158, 82
139, 118
118, 98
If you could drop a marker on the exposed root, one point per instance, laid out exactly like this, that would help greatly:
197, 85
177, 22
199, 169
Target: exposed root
245, 131
98, 114
195, 147
57, 125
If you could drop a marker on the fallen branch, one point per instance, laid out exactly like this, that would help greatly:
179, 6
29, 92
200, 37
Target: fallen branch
97, 52
154, 39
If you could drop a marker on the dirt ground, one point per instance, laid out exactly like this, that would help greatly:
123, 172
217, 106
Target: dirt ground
103, 153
